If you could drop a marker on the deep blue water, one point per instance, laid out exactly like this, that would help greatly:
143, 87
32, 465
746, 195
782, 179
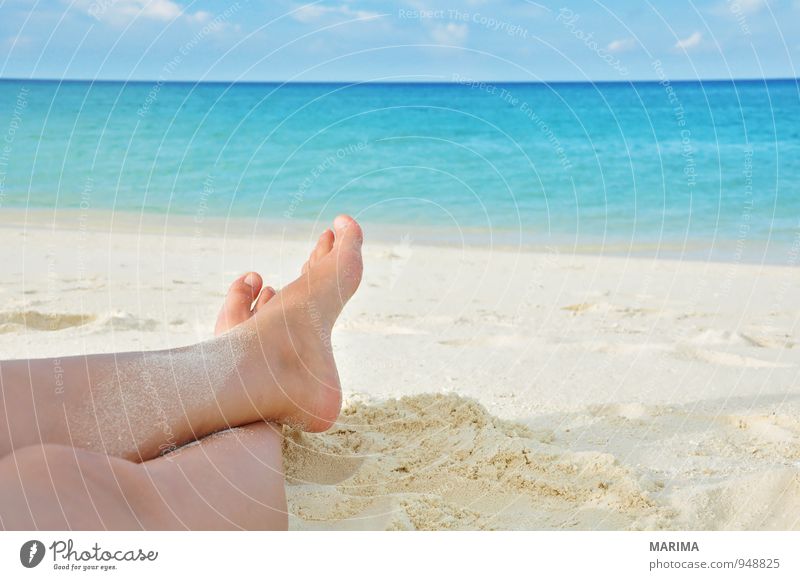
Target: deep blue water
636, 163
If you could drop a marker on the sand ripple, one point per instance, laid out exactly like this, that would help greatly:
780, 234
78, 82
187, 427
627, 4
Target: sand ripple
34, 320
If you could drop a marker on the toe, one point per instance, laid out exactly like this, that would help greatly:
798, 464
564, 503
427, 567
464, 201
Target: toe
266, 295
347, 256
347, 232
236, 308
323, 247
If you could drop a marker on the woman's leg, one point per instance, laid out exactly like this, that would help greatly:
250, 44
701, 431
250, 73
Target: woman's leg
276, 366
232, 480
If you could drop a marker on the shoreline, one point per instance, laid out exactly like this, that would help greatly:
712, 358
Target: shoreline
732, 252
611, 81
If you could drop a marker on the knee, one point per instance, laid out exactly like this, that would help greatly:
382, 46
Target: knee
41, 487
64, 466
35, 461
79, 489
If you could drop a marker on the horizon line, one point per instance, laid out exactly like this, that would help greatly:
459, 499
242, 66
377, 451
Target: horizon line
422, 82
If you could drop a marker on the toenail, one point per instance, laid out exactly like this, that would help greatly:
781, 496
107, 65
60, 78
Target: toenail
250, 279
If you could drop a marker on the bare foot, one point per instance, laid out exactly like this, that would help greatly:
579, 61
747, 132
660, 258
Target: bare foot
289, 374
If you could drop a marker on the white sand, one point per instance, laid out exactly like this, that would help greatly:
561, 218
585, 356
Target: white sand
483, 389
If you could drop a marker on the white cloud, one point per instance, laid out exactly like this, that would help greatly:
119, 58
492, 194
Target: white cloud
737, 8
316, 12
123, 11
155, 9
751, 6
18, 41
621, 45
451, 34
691, 41
201, 16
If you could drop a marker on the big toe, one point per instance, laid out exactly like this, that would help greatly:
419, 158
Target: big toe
236, 308
348, 238
347, 233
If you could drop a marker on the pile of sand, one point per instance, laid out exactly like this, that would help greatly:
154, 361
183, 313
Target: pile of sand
443, 462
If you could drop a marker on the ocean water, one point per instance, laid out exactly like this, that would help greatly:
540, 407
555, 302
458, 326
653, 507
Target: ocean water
624, 163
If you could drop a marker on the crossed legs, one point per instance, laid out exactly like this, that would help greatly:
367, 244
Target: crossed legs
84, 448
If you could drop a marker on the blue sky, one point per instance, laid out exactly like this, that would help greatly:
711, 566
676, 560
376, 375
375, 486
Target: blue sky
424, 40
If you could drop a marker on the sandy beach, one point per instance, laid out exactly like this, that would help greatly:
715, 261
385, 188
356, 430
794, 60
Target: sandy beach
484, 388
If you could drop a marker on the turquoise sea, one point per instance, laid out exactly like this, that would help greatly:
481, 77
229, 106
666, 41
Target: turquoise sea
628, 164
